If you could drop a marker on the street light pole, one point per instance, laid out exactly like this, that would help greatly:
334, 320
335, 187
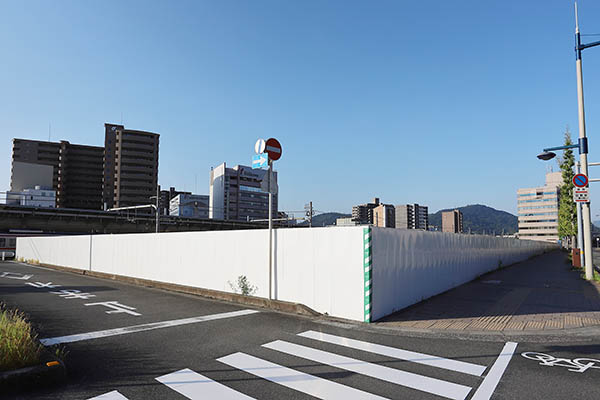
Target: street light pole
585, 209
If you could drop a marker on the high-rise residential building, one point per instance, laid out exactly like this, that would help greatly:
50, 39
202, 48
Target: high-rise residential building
452, 221
27, 156
384, 215
537, 210
73, 171
79, 176
130, 166
412, 216
241, 193
189, 205
363, 213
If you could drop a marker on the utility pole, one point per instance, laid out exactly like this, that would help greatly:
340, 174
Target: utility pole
157, 209
309, 213
585, 209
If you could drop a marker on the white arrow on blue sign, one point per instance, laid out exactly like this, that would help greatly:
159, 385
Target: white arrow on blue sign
260, 161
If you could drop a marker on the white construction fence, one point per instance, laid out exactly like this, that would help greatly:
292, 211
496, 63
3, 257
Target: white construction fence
359, 273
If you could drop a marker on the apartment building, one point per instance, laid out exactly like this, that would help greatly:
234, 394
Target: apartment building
537, 210
412, 216
240, 193
452, 221
384, 215
363, 213
79, 176
130, 166
32, 161
73, 171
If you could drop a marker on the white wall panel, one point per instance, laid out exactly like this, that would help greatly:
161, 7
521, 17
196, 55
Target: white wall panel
410, 266
319, 267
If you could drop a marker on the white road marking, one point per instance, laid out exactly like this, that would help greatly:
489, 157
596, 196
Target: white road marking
408, 379
305, 383
195, 386
434, 361
73, 294
116, 307
575, 365
143, 327
42, 285
114, 395
486, 389
15, 275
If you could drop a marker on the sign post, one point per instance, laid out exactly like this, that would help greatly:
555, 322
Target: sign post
267, 152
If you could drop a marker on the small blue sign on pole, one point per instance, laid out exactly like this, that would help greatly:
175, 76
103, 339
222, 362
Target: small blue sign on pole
260, 161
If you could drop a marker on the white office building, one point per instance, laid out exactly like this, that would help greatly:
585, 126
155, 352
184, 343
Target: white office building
189, 206
538, 210
38, 197
241, 193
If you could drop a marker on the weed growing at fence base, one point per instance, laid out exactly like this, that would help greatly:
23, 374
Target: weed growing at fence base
18, 344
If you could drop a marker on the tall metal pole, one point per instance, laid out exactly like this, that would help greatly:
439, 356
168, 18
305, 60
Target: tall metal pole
587, 225
579, 226
270, 231
157, 210
310, 215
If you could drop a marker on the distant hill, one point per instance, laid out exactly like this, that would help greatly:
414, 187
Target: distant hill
478, 218
326, 219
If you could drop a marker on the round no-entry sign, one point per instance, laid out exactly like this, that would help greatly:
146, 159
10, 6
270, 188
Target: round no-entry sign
273, 149
580, 180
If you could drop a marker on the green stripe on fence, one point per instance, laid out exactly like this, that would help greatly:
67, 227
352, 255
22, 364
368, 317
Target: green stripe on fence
368, 263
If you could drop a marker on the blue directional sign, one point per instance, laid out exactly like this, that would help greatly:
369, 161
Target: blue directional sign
260, 161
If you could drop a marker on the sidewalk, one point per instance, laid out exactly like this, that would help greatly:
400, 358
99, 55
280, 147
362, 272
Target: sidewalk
541, 294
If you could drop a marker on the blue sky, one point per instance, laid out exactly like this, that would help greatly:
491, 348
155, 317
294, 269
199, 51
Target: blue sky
436, 102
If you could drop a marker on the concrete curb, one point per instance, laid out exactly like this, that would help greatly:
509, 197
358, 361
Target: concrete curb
277, 305
49, 372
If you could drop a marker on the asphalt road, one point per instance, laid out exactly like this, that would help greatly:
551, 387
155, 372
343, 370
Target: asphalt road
211, 350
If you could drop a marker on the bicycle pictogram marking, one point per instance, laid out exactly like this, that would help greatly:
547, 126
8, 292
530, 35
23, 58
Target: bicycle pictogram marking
575, 365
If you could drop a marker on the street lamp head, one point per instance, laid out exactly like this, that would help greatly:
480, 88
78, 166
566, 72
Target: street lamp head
546, 155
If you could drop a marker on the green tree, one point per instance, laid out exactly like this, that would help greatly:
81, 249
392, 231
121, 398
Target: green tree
567, 211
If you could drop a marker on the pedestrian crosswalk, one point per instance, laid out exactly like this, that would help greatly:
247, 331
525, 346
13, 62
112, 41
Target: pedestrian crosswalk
193, 385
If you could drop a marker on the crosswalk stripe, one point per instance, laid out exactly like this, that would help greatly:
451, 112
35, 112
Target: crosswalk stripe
114, 395
486, 389
305, 383
423, 383
411, 356
196, 386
